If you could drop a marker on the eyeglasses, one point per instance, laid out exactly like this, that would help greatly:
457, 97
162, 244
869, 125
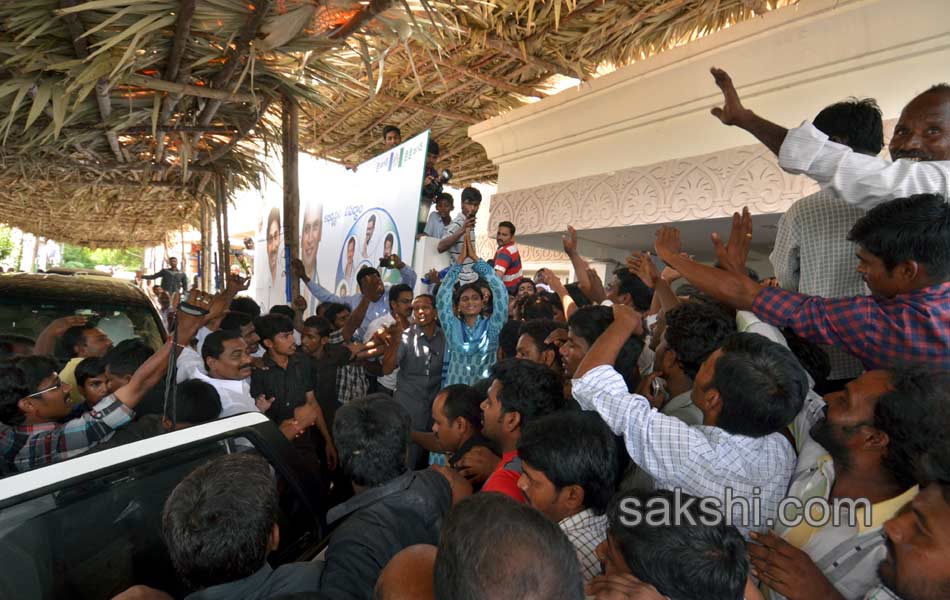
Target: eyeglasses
55, 386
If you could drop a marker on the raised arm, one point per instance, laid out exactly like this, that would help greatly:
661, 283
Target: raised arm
443, 304
627, 322
319, 292
406, 274
733, 113
150, 373
356, 317
567, 303
569, 242
736, 290
499, 297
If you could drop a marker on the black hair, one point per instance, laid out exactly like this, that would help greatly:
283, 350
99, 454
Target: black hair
363, 274
269, 326
574, 448
509, 225
429, 296
470, 194
372, 438
333, 310
628, 283
508, 338
535, 307
217, 522
235, 320
284, 310
445, 196
389, 128
761, 384
323, 326
915, 228
198, 402
246, 305
463, 401
89, 367
540, 562
590, 322
580, 298
433, 147
397, 290
694, 330
529, 281
915, 417
371, 219
214, 343
854, 123
72, 337
687, 561
127, 356
539, 330
530, 389
20, 377
352, 239
389, 237
457, 292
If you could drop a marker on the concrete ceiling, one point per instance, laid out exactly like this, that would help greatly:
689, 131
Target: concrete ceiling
615, 243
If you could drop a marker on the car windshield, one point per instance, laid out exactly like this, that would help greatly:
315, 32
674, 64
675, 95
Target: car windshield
21, 319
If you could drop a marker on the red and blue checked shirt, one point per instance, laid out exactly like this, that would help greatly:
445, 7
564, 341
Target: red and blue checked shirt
912, 328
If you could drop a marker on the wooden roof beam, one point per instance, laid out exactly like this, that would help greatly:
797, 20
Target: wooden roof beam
493, 81
76, 31
173, 72
536, 61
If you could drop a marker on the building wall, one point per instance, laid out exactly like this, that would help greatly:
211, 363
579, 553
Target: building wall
639, 146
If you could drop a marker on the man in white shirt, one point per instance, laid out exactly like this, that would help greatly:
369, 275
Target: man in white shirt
229, 370
749, 391
440, 219
400, 307
920, 148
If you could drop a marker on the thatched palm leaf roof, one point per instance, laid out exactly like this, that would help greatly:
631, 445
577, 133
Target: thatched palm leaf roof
110, 107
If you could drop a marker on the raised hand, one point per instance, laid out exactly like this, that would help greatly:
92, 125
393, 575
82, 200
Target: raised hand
641, 265
788, 570
731, 112
668, 243
297, 269
732, 255
628, 317
569, 241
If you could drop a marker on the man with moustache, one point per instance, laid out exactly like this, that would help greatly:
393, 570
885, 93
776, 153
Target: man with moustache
417, 352
862, 445
229, 370
920, 149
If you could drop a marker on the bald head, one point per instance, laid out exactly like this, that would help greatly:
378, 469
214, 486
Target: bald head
408, 575
923, 130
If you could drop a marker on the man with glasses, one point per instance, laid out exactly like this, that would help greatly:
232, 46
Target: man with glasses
33, 399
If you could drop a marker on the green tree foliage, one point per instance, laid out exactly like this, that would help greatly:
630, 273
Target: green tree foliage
6, 242
78, 257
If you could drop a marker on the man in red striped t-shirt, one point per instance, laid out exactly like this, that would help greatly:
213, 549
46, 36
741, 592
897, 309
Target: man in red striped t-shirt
507, 260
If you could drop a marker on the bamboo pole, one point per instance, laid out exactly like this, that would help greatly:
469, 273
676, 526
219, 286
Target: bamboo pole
219, 95
290, 128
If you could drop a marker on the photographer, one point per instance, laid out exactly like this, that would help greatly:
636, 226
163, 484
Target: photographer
451, 241
431, 183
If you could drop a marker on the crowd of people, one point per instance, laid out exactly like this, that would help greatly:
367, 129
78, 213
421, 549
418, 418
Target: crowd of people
683, 431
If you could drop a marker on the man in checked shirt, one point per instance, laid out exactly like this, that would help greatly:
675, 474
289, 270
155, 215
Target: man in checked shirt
904, 257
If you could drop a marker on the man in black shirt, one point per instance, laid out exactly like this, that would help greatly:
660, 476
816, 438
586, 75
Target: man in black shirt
286, 381
173, 280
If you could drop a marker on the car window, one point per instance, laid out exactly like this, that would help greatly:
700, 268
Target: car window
98, 537
19, 318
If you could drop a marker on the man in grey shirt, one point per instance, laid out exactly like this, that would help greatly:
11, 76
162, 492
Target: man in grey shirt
173, 280
812, 253
417, 352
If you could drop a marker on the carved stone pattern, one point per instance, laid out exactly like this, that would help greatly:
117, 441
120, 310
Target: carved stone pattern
698, 187
486, 247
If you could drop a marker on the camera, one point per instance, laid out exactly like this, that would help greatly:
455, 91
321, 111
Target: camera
387, 262
435, 186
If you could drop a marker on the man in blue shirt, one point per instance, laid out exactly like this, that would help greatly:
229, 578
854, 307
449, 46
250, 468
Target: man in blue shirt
368, 279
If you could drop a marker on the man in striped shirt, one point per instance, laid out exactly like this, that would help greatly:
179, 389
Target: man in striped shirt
507, 258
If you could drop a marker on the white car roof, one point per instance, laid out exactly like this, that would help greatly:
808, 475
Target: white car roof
81, 465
